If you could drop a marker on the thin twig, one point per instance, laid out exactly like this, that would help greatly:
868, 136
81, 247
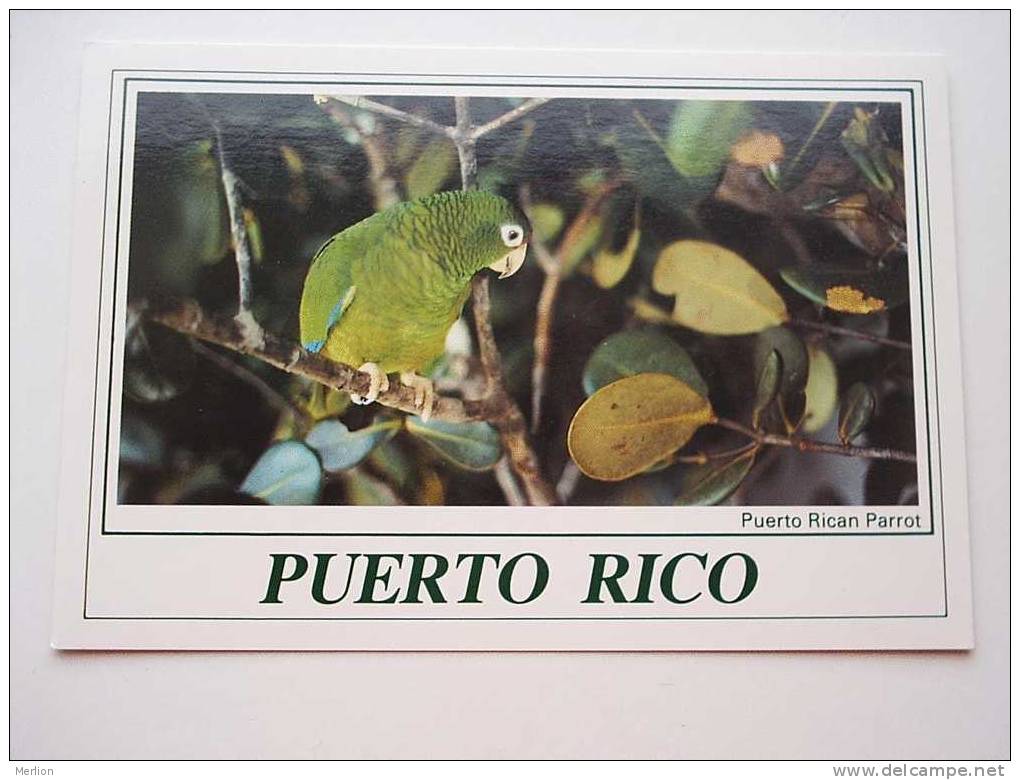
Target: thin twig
701, 458
189, 318
249, 377
357, 101
510, 116
552, 264
826, 113
649, 312
567, 483
546, 259
508, 483
545, 314
506, 417
384, 187
465, 143
509, 420
810, 445
850, 333
472, 133
242, 250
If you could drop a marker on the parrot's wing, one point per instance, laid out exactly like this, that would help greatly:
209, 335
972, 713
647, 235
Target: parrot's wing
315, 330
330, 285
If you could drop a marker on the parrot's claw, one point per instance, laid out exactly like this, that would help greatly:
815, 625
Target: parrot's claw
424, 392
379, 383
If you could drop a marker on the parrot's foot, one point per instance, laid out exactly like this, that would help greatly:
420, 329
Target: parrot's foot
424, 392
379, 383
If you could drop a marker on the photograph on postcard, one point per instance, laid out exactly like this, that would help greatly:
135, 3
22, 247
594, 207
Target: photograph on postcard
428, 299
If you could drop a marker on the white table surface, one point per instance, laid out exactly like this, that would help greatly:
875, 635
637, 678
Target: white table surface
262, 705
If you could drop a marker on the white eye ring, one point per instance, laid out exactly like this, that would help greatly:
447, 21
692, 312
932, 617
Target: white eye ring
512, 235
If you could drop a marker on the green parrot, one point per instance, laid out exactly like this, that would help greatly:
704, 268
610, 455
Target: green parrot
382, 294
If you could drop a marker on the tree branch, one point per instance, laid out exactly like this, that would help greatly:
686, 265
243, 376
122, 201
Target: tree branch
508, 483
189, 318
375, 107
545, 314
850, 333
508, 420
552, 265
247, 376
462, 137
506, 416
649, 312
810, 445
510, 116
242, 250
568, 482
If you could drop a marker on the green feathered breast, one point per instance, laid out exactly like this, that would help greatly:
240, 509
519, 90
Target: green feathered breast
387, 289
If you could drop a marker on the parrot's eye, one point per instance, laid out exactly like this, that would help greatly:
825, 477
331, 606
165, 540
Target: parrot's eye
512, 235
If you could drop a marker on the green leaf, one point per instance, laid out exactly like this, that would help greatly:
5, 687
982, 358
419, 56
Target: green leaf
292, 159
470, 445
821, 390
856, 411
794, 369
702, 132
793, 353
645, 162
340, 448
254, 231
633, 423
201, 204
406, 144
365, 490
850, 290
141, 444
390, 461
866, 143
546, 220
716, 290
714, 482
288, 473
769, 375
324, 402
647, 350
431, 169
610, 267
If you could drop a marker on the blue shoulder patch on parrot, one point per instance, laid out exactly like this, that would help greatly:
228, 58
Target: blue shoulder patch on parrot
334, 317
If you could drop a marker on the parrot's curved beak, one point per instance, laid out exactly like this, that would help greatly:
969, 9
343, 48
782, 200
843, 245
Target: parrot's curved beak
511, 263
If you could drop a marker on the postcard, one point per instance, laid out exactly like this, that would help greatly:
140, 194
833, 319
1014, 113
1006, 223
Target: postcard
449, 350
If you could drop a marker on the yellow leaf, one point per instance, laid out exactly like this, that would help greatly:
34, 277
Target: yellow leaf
631, 424
717, 291
610, 267
757, 149
292, 160
649, 312
851, 300
850, 208
431, 490
821, 390
546, 220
